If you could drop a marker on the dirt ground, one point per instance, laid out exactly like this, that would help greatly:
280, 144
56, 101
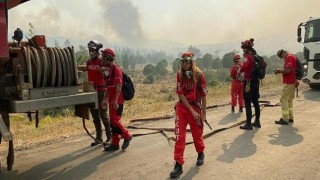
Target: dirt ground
272, 152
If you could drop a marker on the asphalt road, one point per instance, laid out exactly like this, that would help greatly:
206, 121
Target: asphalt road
272, 152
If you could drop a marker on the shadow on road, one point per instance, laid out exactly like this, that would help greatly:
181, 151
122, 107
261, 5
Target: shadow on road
230, 118
46, 170
287, 136
241, 147
192, 172
312, 94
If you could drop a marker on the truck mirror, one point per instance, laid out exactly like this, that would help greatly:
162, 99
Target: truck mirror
299, 31
299, 39
299, 34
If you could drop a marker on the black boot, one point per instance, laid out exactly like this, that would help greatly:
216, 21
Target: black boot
246, 127
107, 127
108, 140
256, 124
241, 109
177, 170
95, 142
109, 137
281, 122
111, 148
200, 159
232, 109
126, 143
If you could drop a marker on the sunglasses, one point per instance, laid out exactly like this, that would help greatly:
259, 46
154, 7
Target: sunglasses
183, 61
92, 50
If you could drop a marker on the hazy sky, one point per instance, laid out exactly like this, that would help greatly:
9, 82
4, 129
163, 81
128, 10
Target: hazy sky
180, 22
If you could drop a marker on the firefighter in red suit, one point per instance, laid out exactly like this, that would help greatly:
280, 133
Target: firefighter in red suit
236, 85
289, 84
94, 75
114, 97
251, 92
191, 109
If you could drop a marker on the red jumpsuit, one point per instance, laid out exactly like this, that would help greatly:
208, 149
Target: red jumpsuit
236, 87
115, 114
184, 117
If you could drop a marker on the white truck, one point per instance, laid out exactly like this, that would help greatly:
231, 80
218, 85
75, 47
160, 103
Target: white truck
311, 51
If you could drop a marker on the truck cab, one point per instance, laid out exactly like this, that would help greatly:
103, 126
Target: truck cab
311, 51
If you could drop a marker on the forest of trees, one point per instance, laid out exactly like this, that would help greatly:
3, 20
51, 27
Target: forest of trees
158, 64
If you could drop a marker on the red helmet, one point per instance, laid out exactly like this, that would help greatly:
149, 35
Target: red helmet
108, 52
247, 44
236, 57
187, 56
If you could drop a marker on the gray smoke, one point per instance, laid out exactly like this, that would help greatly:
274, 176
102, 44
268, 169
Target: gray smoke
123, 19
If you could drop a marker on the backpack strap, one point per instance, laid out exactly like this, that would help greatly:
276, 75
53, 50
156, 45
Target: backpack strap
198, 87
237, 71
113, 71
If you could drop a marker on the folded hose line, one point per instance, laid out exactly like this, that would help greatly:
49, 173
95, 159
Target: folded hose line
162, 130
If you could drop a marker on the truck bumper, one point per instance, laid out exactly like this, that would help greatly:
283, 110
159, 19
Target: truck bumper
19, 106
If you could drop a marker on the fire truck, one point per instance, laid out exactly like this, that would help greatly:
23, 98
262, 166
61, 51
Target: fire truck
34, 77
311, 51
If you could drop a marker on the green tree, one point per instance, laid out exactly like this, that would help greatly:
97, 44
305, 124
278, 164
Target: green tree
207, 61
82, 54
210, 78
161, 68
148, 69
227, 60
164, 63
223, 75
196, 51
199, 63
125, 62
132, 62
176, 65
216, 64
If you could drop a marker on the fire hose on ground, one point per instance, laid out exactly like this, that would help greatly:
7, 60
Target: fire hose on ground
170, 138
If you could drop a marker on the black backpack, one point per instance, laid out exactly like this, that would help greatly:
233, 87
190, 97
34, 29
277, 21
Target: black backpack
299, 70
259, 68
127, 86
